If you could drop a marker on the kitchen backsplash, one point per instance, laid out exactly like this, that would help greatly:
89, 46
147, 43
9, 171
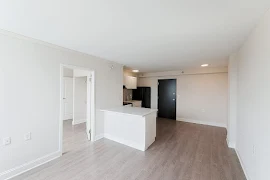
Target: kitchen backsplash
127, 94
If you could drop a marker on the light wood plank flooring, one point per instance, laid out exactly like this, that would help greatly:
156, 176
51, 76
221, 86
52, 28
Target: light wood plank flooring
182, 151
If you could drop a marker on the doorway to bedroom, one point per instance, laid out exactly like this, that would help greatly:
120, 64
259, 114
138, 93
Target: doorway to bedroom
77, 107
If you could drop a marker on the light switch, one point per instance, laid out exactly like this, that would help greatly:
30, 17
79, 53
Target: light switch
6, 141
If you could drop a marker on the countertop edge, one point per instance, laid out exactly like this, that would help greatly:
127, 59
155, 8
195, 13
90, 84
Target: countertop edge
140, 115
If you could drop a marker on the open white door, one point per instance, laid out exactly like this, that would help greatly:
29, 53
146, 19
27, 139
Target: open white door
68, 98
88, 111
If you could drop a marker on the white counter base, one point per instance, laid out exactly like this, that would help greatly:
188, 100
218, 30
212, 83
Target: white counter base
137, 131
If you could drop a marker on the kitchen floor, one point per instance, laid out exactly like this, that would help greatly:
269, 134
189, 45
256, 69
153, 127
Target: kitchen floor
182, 151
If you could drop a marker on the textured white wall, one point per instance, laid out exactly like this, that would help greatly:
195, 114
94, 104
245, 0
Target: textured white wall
232, 100
200, 97
203, 98
30, 95
253, 122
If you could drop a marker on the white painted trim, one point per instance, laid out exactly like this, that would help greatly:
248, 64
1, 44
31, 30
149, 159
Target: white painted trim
28, 166
201, 122
67, 119
73, 99
242, 164
93, 108
88, 106
230, 144
70, 117
78, 121
125, 142
98, 137
61, 113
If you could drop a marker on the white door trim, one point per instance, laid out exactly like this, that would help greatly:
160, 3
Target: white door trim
92, 118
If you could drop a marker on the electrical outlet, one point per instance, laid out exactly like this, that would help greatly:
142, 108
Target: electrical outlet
6, 141
27, 136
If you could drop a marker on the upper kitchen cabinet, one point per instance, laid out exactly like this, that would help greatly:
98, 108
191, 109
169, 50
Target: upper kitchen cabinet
130, 82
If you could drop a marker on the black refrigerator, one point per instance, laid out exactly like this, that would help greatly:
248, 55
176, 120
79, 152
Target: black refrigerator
143, 94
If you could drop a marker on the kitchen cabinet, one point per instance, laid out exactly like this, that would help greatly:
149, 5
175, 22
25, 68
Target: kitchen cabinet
131, 126
130, 82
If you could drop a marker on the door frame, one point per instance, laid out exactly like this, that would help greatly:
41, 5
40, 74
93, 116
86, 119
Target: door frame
91, 105
176, 96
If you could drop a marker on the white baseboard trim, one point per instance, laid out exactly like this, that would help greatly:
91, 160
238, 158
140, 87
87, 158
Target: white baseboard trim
98, 137
28, 166
230, 144
68, 117
201, 122
125, 142
79, 121
242, 164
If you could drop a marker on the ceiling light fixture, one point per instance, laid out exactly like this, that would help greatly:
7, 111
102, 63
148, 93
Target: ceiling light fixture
135, 70
205, 65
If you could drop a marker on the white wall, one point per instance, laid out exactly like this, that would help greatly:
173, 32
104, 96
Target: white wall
232, 101
30, 96
253, 122
201, 97
80, 100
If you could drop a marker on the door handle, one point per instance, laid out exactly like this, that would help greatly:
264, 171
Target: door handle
173, 99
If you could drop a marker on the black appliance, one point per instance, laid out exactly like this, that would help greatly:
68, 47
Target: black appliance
143, 94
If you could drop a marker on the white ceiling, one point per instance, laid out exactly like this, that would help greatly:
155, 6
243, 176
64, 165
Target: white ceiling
150, 35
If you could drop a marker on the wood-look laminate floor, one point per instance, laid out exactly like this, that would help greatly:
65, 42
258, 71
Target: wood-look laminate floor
182, 151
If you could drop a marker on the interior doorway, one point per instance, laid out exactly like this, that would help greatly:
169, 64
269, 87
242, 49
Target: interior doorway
77, 106
167, 98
